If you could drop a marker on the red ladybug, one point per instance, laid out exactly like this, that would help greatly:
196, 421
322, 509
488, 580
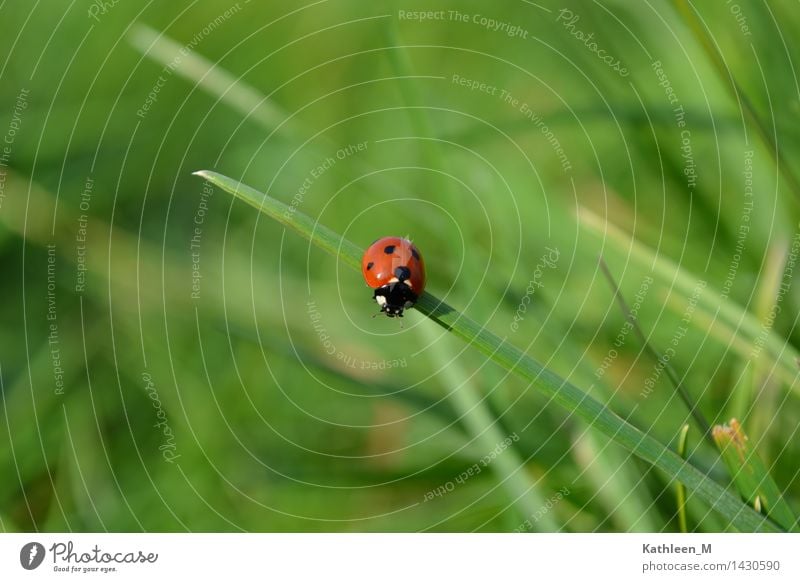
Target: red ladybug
393, 266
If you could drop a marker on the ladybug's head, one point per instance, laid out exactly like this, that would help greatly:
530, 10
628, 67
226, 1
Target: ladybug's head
394, 298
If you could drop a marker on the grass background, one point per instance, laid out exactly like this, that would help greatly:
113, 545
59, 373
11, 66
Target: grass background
276, 434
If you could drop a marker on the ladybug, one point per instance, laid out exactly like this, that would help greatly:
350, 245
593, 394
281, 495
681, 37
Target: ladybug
394, 268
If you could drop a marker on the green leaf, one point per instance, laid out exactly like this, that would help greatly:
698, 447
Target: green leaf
505, 355
722, 320
751, 476
486, 433
616, 482
6, 524
215, 80
681, 490
704, 37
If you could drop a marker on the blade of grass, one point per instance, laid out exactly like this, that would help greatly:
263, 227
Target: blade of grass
26, 445
751, 476
436, 408
701, 33
253, 104
700, 419
617, 484
681, 489
6, 524
510, 358
484, 429
466, 399
760, 407
214, 79
64, 516
742, 329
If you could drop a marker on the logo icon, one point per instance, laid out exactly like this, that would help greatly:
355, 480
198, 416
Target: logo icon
31, 555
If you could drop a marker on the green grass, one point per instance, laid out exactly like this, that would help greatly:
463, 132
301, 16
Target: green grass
277, 434
751, 476
512, 359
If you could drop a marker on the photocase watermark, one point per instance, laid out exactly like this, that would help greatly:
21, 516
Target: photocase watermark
475, 469
422, 15
319, 170
509, 29
551, 502
491, 24
100, 8
741, 19
547, 261
20, 105
82, 234
538, 121
31, 555
53, 341
68, 559
346, 360
197, 235
680, 333
626, 328
526, 110
152, 96
167, 447
475, 85
744, 226
353, 362
319, 328
568, 20
687, 153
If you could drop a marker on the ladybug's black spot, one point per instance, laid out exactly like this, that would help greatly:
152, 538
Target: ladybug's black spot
414, 253
402, 273
388, 249
370, 265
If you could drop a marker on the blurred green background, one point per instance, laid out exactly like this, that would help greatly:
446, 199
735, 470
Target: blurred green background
171, 361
